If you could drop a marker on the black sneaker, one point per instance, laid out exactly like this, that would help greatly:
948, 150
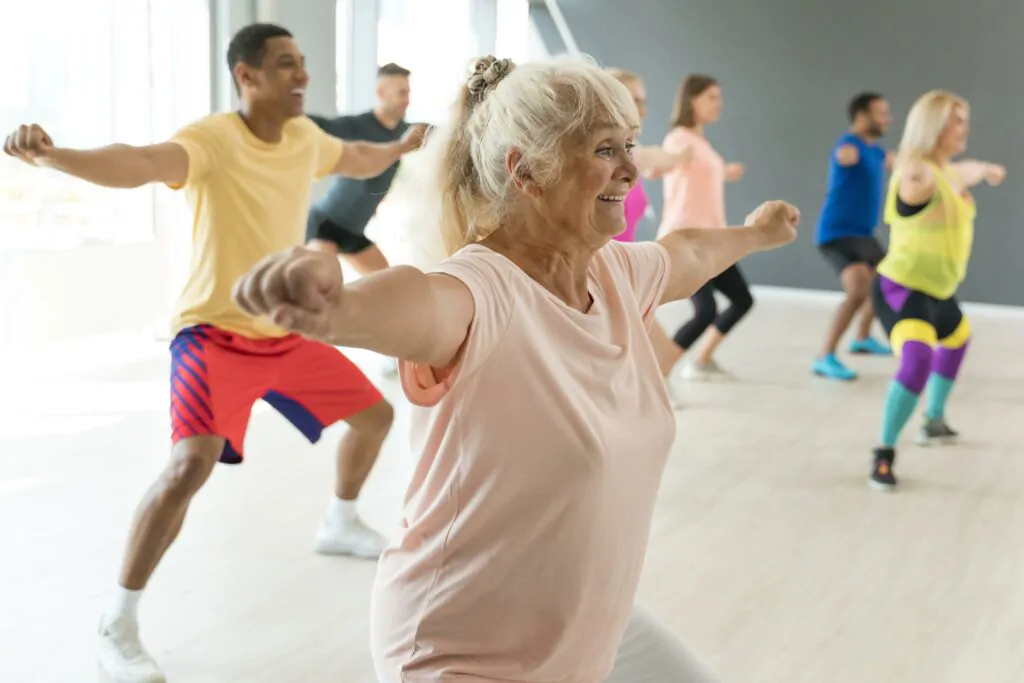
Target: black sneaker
936, 432
882, 478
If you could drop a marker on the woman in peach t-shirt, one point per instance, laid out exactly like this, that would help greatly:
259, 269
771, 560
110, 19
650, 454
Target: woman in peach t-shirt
695, 197
540, 421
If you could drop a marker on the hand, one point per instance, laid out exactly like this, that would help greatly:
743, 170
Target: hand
413, 137
30, 144
995, 174
776, 222
300, 290
734, 172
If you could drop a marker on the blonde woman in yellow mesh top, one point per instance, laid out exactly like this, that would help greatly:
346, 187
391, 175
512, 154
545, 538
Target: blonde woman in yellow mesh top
930, 211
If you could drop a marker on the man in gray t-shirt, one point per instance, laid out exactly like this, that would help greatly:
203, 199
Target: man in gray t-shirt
337, 222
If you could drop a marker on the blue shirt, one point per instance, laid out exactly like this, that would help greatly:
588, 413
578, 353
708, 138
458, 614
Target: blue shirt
853, 202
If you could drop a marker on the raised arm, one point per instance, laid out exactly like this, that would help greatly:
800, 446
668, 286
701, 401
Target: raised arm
120, 166
655, 162
973, 172
370, 159
697, 255
400, 312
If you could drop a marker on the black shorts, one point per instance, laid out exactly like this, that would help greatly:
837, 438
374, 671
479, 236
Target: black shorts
846, 251
347, 241
895, 303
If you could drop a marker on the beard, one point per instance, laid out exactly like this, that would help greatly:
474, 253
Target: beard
876, 131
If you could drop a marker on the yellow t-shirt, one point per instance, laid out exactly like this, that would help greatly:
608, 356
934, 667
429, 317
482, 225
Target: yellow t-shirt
249, 199
929, 251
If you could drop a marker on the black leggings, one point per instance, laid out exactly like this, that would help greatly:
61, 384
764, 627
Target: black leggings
705, 313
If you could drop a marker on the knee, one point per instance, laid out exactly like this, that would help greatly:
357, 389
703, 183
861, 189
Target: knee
915, 365
744, 302
705, 313
190, 467
857, 283
376, 419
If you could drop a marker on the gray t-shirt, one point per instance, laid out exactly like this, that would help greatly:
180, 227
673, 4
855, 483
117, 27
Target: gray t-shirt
351, 203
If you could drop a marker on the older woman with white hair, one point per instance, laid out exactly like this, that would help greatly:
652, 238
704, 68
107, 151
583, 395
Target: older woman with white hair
540, 420
930, 211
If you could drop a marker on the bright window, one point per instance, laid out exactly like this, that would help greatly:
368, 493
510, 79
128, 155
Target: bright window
342, 23
436, 41
513, 30
102, 71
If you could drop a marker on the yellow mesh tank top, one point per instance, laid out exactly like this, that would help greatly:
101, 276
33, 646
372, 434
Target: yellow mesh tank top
929, 251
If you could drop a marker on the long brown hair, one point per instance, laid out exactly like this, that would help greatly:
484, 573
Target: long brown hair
693, 86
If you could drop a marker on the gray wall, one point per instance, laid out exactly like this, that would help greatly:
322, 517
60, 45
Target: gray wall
788, 67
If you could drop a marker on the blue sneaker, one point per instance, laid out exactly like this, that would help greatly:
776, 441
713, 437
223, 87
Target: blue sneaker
870, 346
831, 368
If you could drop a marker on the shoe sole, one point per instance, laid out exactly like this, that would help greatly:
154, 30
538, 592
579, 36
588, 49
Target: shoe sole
935, 440
880, 487
104, 676
347, 553
825, 375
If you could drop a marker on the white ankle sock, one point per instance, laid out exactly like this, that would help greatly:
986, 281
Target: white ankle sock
124, 603
342, 511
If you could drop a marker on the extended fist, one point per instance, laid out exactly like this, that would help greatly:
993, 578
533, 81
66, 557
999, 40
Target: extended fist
300, 290
31, 144
413, 137
776, 221
995, 174
734, 172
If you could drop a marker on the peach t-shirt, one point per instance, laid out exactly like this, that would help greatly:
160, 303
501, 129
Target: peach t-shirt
540, 454
694, 195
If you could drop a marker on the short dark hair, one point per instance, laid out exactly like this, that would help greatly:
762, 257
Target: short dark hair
693, 86
392, 69
249, 45
861, 104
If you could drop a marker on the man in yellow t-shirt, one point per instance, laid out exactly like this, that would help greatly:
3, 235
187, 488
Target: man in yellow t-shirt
248, 177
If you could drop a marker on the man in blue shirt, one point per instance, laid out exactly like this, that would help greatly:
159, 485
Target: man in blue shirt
846, 229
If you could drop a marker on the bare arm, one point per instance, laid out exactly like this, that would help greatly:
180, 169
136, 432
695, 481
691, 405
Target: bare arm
114, 166
973, 172
405, 313
400, 312
370, 159
123, 166
655, 162
697, 255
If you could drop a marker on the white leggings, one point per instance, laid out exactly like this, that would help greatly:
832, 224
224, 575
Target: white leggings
649, 653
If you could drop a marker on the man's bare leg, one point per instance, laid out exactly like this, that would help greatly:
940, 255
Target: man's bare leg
157, 522
342, 532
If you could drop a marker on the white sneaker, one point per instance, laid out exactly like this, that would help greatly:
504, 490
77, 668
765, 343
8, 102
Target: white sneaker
352, 538
705, 372
121, 655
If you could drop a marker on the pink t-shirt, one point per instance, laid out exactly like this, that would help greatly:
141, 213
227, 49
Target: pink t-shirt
694, 195
635, 206
540, 454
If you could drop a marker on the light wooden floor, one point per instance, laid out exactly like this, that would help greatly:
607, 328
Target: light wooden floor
769, 555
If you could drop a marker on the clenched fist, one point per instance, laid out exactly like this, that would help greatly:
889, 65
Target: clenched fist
413, 137
30, 144
734, 172
995, 174
776, 221
300, 290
